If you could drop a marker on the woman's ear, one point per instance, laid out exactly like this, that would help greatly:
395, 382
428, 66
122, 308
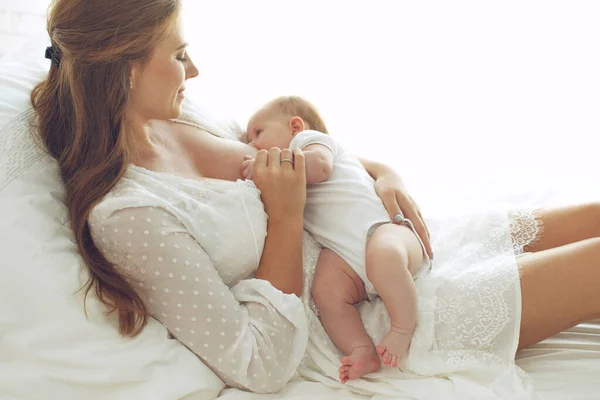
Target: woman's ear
133, 72
296, 125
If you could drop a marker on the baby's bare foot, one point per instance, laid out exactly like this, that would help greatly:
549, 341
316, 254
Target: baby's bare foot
362, 361
394, 345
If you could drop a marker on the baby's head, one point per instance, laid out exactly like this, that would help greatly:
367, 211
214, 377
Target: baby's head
276, 124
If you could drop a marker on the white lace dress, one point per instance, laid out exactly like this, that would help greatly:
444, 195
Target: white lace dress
192, 248
469, 309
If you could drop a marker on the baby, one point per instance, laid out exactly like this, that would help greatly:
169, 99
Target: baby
364, 254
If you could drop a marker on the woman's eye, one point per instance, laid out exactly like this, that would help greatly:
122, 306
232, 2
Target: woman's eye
258, 132
182, 58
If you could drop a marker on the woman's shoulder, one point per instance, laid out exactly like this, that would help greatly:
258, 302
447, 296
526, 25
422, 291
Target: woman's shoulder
184, 198
133, 190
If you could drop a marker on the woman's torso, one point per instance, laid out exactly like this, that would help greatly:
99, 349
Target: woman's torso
226, 217
210, 168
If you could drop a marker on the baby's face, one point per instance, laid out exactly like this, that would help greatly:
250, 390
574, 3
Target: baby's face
267, 129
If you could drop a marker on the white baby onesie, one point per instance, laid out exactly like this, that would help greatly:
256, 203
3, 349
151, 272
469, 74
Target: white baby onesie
344, 210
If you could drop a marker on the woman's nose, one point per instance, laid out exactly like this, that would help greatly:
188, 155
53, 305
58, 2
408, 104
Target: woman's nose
191, 71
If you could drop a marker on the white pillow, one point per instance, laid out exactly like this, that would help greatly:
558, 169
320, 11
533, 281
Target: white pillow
48, 348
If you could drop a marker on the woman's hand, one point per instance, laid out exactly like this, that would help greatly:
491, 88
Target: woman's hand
395, 198
282, 183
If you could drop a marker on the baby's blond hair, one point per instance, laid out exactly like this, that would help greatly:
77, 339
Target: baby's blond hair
297, 106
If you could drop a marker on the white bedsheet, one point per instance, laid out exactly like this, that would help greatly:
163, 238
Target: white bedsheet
567, 365
563, 367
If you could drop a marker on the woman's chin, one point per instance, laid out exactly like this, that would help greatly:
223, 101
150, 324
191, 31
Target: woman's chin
177, 110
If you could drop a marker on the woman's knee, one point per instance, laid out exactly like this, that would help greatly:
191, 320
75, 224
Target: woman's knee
592, 210
593, 247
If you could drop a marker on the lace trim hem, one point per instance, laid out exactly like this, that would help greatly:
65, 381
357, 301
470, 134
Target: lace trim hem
526, 229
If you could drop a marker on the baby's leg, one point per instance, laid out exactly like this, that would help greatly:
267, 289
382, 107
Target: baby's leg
393, 254
335, 290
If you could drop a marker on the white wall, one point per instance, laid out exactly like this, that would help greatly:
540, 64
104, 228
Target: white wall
471, 101
20, 20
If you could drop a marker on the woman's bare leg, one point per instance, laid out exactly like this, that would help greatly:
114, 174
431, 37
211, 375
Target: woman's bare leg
564, 225
560, 288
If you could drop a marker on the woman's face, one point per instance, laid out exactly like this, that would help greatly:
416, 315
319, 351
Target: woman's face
158, 85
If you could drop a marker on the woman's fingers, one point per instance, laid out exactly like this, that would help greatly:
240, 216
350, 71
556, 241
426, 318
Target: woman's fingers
421, 229
283, 191
396, 200
390, 203
287, 160
274, 161
411, 212
395, 203
423, 219
260, 163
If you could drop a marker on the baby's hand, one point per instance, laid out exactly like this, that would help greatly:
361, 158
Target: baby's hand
248, 167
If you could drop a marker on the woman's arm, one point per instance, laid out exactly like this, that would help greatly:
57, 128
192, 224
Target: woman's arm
283, 192
252, 335
281, 261
394, 195
373, 168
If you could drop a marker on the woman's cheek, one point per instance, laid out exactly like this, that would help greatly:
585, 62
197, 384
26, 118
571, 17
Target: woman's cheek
180, 74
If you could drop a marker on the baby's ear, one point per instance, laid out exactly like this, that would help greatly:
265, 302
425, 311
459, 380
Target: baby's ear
297, 125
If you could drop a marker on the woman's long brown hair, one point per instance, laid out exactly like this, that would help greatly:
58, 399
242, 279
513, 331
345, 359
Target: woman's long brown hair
81, 108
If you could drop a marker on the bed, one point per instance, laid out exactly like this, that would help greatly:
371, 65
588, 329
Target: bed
566, 366
38, 299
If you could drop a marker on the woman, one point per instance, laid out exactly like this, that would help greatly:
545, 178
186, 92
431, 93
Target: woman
167, 231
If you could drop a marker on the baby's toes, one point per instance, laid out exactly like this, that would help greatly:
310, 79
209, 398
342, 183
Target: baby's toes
344, 373
380, 350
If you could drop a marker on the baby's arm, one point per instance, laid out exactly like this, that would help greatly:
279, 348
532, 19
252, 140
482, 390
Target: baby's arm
319, 163
318, 159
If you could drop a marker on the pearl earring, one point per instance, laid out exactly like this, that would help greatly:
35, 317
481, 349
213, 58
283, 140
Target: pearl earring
130, 84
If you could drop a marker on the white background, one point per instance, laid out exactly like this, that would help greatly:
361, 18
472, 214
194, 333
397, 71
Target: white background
19, 21
470, 101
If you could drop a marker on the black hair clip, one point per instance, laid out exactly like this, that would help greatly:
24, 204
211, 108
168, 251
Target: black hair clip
53, 55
